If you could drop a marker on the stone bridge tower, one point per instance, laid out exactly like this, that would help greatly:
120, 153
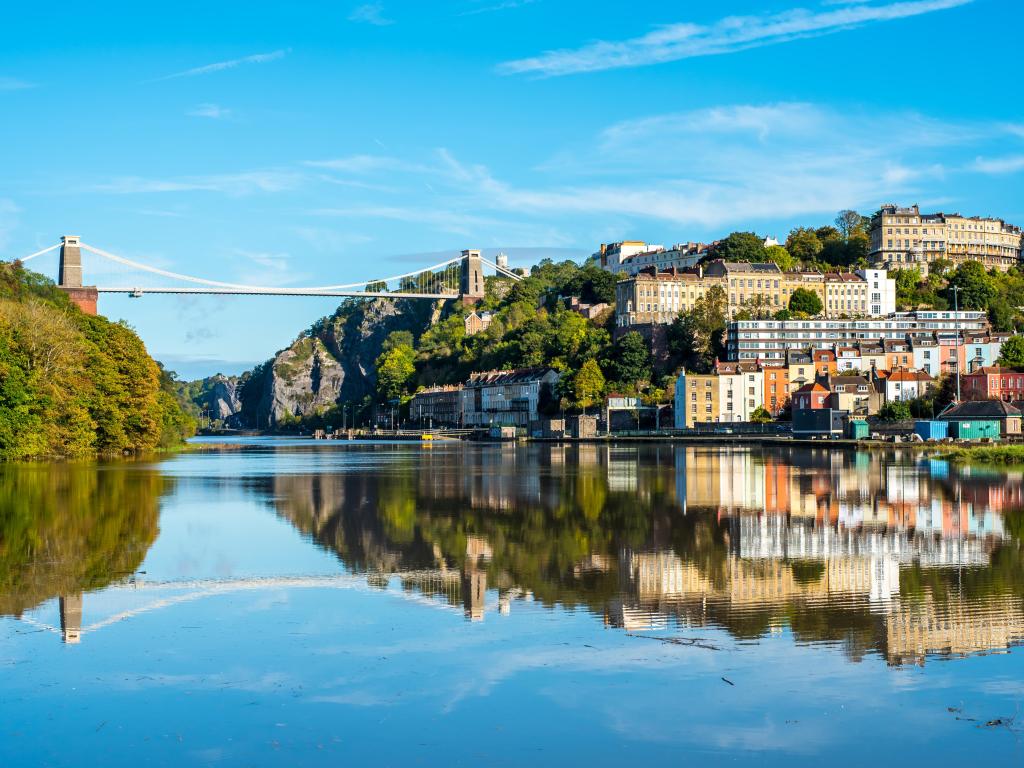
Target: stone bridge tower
471, 282
69, 279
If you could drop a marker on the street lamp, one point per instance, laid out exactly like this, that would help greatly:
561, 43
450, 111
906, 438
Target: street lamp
956, 325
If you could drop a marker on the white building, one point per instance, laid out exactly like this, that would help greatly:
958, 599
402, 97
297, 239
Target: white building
769, 339
907, 385
628, 258
881, 291
507, 397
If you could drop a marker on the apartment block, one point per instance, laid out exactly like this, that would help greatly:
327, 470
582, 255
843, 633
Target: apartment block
769, 340
905, 237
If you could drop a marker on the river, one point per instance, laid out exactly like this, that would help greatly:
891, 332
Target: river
290, 602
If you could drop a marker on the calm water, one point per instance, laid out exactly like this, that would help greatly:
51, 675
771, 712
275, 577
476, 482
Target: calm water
294, 603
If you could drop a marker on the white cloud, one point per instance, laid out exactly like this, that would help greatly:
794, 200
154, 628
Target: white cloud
14, 84
999, 165
235, 184
370, 13
728, 35
256, 58
212, 111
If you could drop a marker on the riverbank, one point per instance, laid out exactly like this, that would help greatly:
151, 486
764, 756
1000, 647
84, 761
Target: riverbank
999, 455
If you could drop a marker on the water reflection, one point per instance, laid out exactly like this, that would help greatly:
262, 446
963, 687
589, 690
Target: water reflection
873, 552
66, 529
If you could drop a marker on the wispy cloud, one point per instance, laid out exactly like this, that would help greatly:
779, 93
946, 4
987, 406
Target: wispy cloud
233, 184
500, 6
370, 13
211, 111
219, 66
712, 168
728, 35
14, 84
363, 164
999, 165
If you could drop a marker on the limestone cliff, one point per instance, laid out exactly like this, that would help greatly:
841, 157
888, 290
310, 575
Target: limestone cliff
330, 363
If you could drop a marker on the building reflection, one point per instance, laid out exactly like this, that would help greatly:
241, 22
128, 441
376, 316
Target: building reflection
866, 550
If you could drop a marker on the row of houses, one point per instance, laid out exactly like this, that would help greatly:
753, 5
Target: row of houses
490, 398
653, 296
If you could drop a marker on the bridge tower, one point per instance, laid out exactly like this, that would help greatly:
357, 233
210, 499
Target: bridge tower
471, 280
71, 618
69, 279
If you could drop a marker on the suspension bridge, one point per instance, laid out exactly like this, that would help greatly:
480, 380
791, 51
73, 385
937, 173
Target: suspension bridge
458, 278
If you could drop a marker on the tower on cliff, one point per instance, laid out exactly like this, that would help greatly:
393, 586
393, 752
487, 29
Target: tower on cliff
471, 283
69, 278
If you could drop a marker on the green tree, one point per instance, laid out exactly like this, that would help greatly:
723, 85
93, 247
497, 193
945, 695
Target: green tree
1012, 352
761, 415
588, 385
395, 366
803, 244
975, 288
850, 223
592, 285
740, 246
780, 256
697, 338
895, 410
805, 301
629, 360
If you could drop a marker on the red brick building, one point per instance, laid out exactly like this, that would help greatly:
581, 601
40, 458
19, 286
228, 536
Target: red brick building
993, 383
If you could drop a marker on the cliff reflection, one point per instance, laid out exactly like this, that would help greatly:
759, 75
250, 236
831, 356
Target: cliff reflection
66, 529
872, 552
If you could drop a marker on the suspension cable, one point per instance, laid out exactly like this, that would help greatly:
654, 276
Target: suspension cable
40, 253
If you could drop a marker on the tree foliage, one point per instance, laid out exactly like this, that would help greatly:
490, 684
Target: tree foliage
75, 385
1012, 352
588, 385
805, 301
740, 246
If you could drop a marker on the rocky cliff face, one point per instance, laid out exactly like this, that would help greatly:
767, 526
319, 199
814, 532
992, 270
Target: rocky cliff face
334, 361
222, 399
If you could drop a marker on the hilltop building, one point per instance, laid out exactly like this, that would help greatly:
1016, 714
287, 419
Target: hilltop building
905, 237
652, 296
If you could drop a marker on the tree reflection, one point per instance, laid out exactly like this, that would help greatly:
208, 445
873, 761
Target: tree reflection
66, 529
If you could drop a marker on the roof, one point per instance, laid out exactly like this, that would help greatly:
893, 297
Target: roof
840, 383
736, 367
814, 386
768, 267
980, 409
902, 374
989, 370
496, 378
843, 277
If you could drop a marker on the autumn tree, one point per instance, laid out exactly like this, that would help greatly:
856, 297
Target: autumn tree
588, 385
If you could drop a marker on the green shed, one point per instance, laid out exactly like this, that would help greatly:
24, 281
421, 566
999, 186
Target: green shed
857, 429
975, 429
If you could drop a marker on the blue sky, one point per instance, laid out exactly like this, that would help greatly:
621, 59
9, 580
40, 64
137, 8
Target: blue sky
317, 143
